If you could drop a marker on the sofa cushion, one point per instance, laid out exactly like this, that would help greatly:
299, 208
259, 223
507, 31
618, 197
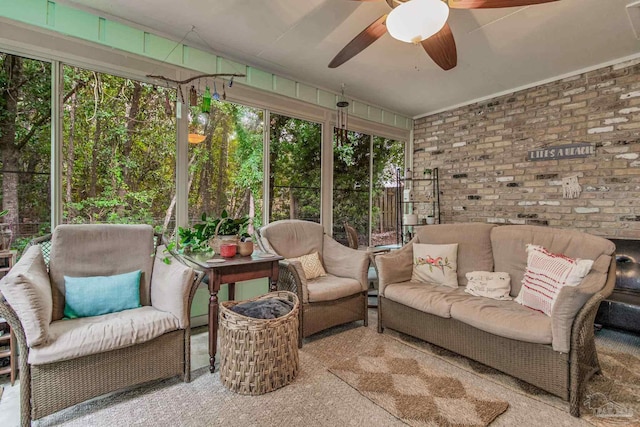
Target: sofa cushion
97, 295
435, 264
82, 250
546, 275
91, 335
330, 287
509, 247
430, 298
504, 318
311, 265
28, 292
474, 244
489, 284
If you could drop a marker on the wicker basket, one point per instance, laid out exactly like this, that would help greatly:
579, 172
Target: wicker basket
216, 240
258, 355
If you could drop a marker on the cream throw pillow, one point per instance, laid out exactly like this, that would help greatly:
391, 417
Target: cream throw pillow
546, 274
489, 284
311, 265
437, 264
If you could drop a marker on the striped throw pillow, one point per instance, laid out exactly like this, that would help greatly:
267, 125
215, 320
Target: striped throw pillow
546, 274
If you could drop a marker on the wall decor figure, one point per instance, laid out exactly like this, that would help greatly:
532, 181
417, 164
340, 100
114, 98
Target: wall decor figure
570, 187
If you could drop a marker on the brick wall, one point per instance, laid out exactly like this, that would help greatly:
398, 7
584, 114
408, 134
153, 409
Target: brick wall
481, 152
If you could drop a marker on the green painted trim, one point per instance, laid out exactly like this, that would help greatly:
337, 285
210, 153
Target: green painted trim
87, 26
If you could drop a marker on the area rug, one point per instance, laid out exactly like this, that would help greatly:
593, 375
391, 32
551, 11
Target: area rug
414, 394
611, 398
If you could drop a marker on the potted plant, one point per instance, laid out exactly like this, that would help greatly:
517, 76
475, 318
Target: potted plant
427, 173
5, 232
245, 245
208, 234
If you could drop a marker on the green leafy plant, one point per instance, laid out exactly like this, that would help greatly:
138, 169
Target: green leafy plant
196, 238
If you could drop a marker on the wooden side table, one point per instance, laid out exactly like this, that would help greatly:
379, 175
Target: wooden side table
8, 338
7, 260
230, 271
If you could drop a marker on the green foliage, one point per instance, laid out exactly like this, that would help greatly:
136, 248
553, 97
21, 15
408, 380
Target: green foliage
295, 159
196, 238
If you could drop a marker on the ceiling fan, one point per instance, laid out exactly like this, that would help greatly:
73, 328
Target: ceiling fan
424, 22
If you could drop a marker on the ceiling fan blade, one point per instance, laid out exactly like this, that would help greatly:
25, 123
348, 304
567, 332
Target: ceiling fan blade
370, 34
441, 47
489, 4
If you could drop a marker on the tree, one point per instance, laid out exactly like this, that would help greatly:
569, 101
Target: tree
25, 129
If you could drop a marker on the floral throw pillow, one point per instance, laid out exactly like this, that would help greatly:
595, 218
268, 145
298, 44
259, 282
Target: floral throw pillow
436, 264
311, 265
546, 274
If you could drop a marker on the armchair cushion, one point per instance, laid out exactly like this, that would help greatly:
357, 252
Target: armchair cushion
329, 288
28, 291
342, 261
82, 250
293, 238
171, 286
91, 335
97, 295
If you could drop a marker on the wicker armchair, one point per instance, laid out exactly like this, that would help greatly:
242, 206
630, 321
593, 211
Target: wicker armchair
59, 372
337, 298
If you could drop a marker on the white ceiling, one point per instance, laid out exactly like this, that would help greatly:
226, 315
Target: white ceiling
498, 49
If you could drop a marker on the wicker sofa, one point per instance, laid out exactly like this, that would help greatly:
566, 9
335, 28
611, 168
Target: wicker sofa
67, 361
555, 353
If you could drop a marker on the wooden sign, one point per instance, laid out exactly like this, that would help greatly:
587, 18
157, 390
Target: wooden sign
559, 152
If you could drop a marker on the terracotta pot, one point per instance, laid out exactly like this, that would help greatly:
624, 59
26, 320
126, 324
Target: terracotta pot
245, 248
228, 250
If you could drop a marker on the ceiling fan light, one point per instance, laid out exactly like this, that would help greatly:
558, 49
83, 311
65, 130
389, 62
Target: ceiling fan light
417, 20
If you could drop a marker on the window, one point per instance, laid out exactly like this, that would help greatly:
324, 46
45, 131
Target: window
295, 162
388, 157
118, 151
356, 178
225, 170
25, 143
351, 186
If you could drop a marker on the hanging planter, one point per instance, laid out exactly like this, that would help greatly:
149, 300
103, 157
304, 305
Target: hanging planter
199, 118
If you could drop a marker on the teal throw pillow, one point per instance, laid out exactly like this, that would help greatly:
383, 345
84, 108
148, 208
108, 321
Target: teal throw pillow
93, 296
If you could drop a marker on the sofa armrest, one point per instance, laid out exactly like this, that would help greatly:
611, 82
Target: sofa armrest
172, 286
342, 261
292, 279
394, 267
572, 299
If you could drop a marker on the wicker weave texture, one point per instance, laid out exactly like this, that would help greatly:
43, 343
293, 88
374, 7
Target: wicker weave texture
258, 355
56, 386
319, 316
534, 363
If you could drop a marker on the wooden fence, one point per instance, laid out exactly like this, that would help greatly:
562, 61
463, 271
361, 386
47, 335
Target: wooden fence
387, 214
